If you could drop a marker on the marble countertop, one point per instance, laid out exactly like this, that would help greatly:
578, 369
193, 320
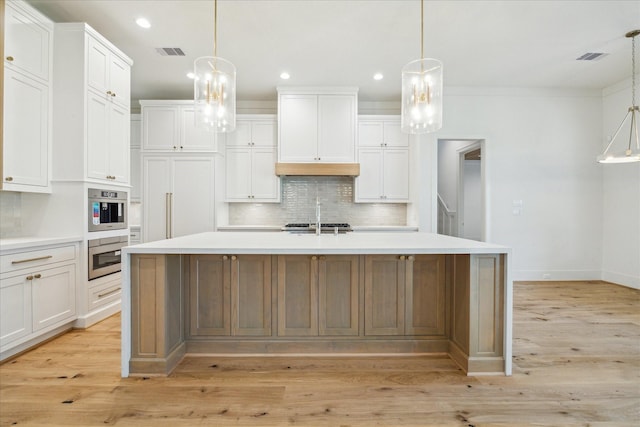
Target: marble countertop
265, 242
16, 243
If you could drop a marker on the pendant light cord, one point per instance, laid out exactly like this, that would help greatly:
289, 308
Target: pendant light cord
215, 28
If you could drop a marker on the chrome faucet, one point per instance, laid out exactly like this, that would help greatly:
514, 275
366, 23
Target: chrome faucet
317, 217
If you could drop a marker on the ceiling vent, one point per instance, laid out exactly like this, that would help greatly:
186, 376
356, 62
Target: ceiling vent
591, 56
170, 51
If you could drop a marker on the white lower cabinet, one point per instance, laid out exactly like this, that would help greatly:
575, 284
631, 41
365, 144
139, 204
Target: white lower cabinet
178, 194
37, 295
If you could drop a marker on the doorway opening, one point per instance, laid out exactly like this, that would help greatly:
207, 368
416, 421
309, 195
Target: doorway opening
461, 198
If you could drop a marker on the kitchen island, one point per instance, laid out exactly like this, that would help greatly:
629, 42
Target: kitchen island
296, 294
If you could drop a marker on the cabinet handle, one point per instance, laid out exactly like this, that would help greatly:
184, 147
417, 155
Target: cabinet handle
37, 276
113, 291
10, 58
9, 179
32, 259
29, 277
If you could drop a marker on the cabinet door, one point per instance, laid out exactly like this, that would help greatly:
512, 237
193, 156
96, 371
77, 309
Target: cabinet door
156, 189
192, 137
238, 174
53, 296
136, 172
192, 199
338, 295
370, 134
15, 308
119, 83
425, 295
336, 128
27, 43
297, 295
298, 129
26, 131
265, 184
369, 183
263, 133
393, 136
98, 66
384, 286
209, 303
118, 145
241, 136
396, 175
98, 139
251, 295
160, 128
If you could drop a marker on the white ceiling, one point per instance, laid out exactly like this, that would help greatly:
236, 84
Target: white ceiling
344, 42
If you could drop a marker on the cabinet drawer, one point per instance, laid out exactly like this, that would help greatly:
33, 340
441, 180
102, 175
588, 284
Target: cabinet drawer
104, 294
36, 259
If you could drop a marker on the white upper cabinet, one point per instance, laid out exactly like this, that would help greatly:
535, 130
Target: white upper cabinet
27, 110
135, 161
170, 126
383, 153
91, 114
317, 125
251, 159
28, 37
108, 74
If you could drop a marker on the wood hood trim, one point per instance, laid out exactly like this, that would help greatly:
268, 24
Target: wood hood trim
318, 169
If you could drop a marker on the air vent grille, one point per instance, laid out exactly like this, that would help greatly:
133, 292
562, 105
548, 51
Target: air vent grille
170, 51
591, 56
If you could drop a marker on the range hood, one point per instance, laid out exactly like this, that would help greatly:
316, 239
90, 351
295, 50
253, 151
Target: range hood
318, 169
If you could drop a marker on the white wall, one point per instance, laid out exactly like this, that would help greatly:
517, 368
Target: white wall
621, 197
540, 148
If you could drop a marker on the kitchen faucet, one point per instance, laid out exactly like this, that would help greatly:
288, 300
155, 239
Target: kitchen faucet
317, 217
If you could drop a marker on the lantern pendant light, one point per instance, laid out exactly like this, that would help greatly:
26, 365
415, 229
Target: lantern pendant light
632, 152
214, 88
421, 109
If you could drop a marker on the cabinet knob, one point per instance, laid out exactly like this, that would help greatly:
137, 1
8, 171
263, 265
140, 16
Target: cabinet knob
108, 92
410, 257
402, 257
181, 147
314, 257
29, 277
114, 94
10, 58
224, 257
233, 257
9, 179
174, 147
37, 276
322, 257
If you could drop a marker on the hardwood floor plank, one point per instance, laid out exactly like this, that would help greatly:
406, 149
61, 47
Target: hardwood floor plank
576, 363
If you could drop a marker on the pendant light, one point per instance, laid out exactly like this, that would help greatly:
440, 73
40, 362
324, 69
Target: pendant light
214, 88
421, 110
632, 152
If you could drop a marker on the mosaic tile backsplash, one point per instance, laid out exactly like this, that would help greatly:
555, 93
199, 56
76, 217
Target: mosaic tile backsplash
10, 214
298, 204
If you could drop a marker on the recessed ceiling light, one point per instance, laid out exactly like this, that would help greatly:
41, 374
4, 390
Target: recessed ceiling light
378, 76
285, 76
143, 22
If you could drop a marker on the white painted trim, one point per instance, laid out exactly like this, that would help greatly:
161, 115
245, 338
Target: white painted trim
621, 279
89, 319
556, 275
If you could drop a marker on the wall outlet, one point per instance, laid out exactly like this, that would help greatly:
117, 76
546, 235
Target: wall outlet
546, 276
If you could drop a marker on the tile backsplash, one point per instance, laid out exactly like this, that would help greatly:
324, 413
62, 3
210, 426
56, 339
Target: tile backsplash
335, 194
10, 214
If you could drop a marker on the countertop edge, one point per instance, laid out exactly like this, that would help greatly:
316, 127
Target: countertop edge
19, 243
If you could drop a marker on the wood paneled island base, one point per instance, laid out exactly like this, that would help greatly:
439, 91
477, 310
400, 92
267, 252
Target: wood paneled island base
391, 293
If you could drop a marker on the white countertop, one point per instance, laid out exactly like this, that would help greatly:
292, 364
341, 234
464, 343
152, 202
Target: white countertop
292, 243
31, 242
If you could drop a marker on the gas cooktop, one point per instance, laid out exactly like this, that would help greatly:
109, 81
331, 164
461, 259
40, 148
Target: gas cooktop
325, 227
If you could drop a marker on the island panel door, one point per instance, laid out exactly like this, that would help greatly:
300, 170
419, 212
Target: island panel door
297, 295
384, 287
425, 295
251, 295
338, 295
209, 301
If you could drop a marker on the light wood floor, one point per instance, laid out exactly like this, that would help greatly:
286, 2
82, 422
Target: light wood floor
576, 363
